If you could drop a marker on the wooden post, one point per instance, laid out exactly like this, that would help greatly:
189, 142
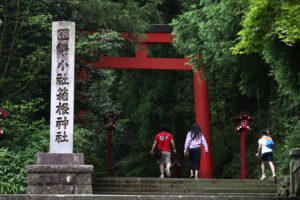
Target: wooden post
243, 161
109, 150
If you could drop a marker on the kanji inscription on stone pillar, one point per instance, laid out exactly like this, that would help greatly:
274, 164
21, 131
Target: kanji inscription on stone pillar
62, 87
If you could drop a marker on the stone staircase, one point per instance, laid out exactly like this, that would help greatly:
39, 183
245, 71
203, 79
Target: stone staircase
194, 189
167, 189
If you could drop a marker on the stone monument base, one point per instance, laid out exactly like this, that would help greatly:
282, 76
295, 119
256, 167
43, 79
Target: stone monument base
59, 173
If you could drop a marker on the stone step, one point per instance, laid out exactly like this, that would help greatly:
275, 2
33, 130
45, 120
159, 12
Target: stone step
194, 194
115, 190
138, 197
185, 185
180, 180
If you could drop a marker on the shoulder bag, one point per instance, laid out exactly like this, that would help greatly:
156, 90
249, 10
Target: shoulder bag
158, 152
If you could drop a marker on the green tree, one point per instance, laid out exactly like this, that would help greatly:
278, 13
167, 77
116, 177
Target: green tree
267, 20
249, 82
25, 46
25, 36
271, 28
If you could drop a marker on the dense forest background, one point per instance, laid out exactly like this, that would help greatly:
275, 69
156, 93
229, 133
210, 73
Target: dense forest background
250, 50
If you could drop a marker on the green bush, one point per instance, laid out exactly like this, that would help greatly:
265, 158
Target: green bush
12, 172
24, 137
100, 169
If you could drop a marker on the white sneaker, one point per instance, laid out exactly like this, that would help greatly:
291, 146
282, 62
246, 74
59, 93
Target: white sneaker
168, 172
161, 176
263, 177
196, 177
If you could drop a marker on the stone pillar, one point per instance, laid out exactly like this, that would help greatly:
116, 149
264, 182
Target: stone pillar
61, 171
295, 171
62, 87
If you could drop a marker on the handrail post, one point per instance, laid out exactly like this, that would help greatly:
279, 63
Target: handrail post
295, 171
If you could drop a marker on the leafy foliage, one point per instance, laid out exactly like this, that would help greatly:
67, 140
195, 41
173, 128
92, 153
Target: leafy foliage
24, 137
22, 30
271, 28
261, 78
207, 31
25, 37
264, 21
12, 176
25, 46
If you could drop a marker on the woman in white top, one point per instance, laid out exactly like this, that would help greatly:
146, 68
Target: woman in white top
194, 140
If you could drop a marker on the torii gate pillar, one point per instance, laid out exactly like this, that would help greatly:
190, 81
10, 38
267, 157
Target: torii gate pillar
202, 118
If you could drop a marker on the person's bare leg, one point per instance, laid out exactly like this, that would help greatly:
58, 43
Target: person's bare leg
168, 169
273, 171
272, 167
161, 167
196, 174
192, 173
263, 167
168, 165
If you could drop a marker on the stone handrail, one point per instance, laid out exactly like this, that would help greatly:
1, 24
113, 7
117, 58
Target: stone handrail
295, 171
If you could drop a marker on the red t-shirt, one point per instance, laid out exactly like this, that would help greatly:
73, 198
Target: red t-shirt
159, 139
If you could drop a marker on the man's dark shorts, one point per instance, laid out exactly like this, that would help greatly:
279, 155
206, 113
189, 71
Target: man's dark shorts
268, 157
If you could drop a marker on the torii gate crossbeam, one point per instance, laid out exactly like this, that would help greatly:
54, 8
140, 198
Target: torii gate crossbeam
141, 61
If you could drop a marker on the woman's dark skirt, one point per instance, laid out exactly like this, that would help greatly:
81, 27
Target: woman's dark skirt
194, 157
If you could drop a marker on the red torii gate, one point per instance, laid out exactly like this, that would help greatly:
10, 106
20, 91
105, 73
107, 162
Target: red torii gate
141, 61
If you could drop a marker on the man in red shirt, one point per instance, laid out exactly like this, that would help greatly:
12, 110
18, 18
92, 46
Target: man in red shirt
163, 139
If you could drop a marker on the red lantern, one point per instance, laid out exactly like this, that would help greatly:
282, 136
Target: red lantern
243, 125
243, 121
110, 119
